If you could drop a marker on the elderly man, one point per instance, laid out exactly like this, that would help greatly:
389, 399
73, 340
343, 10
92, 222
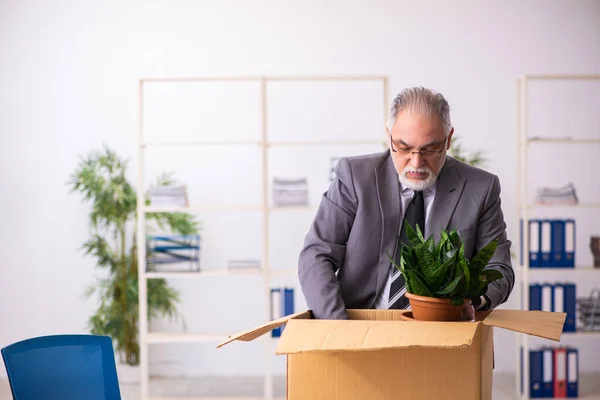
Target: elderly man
344, 263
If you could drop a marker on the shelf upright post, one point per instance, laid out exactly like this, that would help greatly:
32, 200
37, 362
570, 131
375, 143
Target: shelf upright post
141, 249
268, 379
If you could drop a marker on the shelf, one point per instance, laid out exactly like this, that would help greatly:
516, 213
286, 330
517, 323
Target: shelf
216, 208
578, 205
260, 143
203, 143
208, 208
325, 142
560, 140
293, 208
216, 272
156, 337
561, 269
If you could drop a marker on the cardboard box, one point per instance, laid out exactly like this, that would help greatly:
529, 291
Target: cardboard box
377, 355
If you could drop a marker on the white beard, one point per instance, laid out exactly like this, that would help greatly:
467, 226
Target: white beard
417, 184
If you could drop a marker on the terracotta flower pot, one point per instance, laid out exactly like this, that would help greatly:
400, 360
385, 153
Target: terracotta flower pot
433, 309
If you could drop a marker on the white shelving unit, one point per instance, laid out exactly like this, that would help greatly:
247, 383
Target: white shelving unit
525, 208
147, 338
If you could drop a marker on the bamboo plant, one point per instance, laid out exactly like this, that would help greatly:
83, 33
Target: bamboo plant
100, 178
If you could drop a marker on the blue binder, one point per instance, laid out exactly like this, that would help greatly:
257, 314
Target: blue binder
570, 306
535, 296
572, 372
545, 243
547, 372
535, 231
276, 309
536, 368
569, 249
557, 251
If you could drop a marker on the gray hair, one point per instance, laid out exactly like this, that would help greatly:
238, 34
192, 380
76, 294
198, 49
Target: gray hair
421, 101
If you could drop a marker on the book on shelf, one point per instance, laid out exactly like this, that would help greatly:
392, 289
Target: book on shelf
553, 372
555, 297
282, 304
551, 243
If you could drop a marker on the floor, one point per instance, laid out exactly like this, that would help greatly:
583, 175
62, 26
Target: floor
252, 388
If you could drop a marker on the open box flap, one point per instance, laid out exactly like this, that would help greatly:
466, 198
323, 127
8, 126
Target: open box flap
545, 324
352, 335
255, 332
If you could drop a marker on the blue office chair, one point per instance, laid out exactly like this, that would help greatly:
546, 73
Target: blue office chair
62, 367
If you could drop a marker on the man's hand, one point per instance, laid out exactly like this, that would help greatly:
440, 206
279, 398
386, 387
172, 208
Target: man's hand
469, 312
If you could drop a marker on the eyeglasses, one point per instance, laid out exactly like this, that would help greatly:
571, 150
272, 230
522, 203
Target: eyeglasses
429, 152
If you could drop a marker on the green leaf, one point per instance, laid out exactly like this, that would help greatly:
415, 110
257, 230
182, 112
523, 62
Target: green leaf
451, 286
490, 275
426, 261
418, 286
439, 275
481, 259
414, 238
464, 264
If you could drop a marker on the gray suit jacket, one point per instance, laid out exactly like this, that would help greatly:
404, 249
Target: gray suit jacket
344, 264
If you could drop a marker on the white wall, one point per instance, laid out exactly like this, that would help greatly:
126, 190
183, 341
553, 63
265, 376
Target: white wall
68, 72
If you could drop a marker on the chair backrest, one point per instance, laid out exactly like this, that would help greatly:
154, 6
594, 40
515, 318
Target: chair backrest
62, 367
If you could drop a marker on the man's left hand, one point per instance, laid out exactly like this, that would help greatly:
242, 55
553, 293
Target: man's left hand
469, 312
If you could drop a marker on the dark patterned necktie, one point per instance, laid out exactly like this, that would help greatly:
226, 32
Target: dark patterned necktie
415, 214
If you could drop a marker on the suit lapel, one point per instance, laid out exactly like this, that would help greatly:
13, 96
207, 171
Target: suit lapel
388, 192
449, 188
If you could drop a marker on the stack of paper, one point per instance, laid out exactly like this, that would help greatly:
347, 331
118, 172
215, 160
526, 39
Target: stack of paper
290, 192
172, 195
561, 195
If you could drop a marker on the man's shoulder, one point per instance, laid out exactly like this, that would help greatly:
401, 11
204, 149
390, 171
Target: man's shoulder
368, 162
469, 171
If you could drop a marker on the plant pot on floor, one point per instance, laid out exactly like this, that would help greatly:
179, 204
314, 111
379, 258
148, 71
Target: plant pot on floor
433, 309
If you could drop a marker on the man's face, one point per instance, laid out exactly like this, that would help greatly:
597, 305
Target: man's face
418, 148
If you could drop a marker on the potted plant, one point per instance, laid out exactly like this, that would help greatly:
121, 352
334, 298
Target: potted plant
101, 179
439, 278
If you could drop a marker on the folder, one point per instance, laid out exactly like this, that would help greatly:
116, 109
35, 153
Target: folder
535, 296
560, 373
536, 366
572, 372
546, 243
557, 250
547, 297
570, 306
548, 374
276, 309
288, 303
534, 243
569, 256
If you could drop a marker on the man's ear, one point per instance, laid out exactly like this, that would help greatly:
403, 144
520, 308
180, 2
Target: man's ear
449, 138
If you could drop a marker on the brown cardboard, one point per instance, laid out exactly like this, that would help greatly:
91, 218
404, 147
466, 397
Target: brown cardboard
377, 355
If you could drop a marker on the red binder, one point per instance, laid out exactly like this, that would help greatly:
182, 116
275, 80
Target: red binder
560, 373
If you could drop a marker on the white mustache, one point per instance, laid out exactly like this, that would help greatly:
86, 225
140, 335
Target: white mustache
417, 170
